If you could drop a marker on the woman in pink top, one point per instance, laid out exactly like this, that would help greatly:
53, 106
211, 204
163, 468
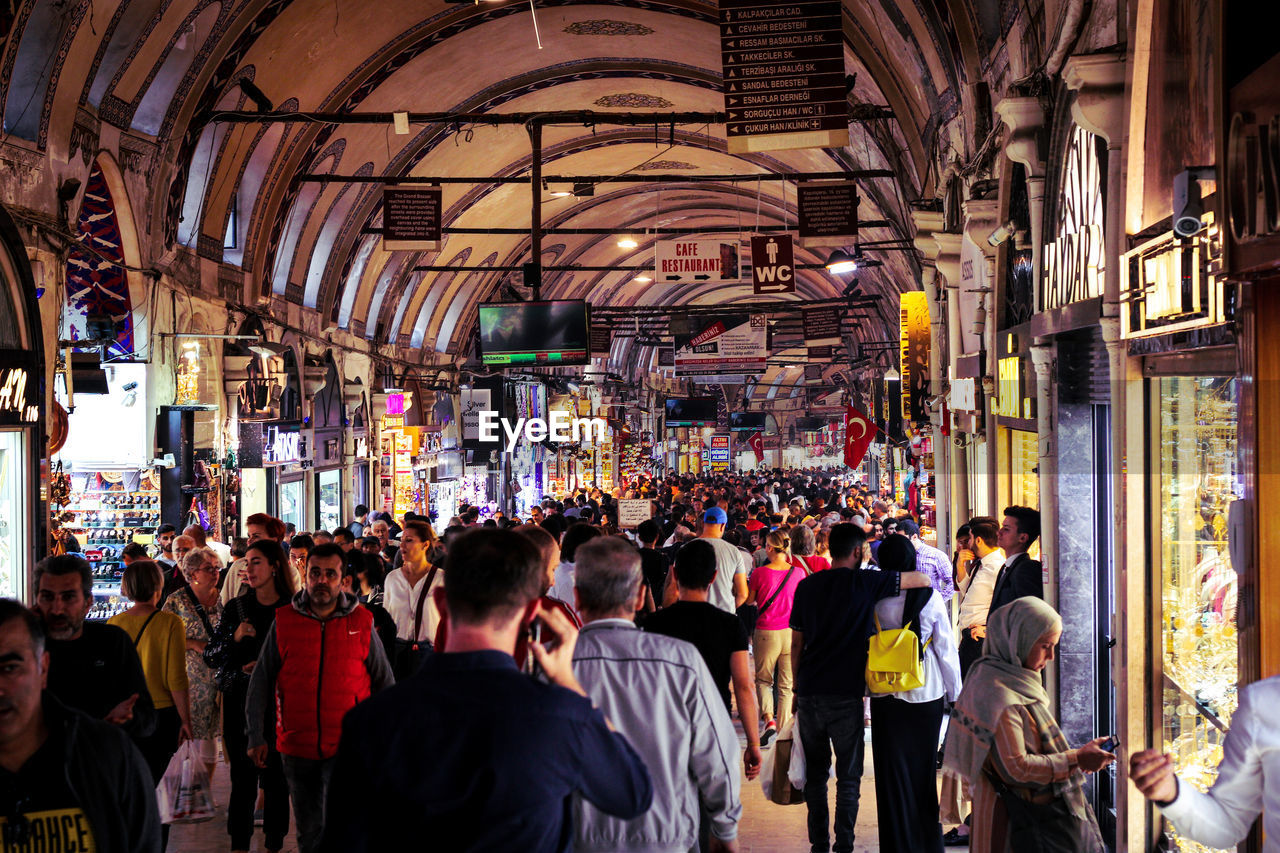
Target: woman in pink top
772, 589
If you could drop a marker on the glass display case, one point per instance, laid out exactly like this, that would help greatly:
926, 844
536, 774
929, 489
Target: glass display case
1199, 477
13, 513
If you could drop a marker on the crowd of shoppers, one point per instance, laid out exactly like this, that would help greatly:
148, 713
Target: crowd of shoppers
553, 682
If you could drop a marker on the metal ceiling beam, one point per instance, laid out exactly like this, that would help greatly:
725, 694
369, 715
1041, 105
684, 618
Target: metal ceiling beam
565, 267
705, 229
584, 117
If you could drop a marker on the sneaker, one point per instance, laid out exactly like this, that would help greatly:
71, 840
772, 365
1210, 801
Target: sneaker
955, 839
769, 733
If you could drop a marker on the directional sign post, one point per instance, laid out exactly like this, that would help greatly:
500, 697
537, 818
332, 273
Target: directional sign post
773, 265
692, 261
783, 75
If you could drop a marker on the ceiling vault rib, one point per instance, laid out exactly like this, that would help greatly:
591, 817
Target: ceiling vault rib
625, 178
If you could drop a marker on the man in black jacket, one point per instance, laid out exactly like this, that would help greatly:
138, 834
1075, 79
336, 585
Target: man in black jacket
66, 780
1020, 575
93, 666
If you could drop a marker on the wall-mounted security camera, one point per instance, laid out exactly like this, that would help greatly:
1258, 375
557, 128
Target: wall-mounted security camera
1001, 234
1188, 205
166, 461
129, 386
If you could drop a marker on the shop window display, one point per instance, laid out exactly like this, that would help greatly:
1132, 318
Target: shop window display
1199, 478
329, 485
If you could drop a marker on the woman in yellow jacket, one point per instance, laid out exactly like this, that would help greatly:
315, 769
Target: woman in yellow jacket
161, 641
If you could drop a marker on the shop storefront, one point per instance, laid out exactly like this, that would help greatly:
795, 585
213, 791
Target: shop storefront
113, 489
21, 416
1016, 440
1178, 322
328, 424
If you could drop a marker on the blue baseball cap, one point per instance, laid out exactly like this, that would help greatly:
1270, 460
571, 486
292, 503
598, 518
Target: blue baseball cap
715, 515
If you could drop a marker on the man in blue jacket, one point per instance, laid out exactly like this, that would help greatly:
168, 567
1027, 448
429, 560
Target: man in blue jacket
471, 753
67, 781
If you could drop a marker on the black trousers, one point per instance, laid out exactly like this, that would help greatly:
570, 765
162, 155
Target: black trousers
246, 778
970, 651
904, 748
158, 748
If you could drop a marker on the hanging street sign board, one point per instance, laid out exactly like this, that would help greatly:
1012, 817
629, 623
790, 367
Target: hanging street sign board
411, 218
666, 357
823, 353
693, 261
784, 81
732, 343
601, 339
821, 326
773, 264
828, 213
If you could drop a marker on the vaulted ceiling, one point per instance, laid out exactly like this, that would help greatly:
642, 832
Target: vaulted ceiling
155, 72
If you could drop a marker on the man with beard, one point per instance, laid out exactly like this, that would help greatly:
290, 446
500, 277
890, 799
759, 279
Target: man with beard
319, 659
68, 782
93, 666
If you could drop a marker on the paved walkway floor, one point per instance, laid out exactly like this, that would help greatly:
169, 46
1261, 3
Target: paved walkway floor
765, 827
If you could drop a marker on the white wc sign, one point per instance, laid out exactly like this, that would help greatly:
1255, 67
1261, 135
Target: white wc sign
773, 265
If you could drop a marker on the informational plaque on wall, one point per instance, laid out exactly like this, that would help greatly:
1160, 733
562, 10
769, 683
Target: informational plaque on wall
411, 218
828, 213
784, 83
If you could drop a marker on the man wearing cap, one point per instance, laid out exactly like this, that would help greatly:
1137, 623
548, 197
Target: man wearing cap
729, 589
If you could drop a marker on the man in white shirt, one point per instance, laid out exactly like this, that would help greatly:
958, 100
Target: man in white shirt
976, 589
729, 589
1248, 783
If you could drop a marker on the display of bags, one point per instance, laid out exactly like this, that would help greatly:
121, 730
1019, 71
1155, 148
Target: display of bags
184, 794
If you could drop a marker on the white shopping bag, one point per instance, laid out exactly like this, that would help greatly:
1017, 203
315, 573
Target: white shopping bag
183, 794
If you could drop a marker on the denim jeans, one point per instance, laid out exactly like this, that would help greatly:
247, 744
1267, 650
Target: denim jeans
826, 723
308, 789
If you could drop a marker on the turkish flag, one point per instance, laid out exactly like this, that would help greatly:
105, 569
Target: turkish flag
757, 444
859, 432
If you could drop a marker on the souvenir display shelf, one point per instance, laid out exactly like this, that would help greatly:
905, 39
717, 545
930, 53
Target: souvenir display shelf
108, 510
1199, 478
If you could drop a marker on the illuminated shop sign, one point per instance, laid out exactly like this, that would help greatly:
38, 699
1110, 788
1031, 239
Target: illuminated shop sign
1073, 262
281, 446
1171, 284
19, 389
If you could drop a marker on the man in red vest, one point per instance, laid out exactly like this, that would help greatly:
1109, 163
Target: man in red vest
320, 658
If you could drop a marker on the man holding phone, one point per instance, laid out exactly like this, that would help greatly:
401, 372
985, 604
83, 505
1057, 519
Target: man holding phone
494, 755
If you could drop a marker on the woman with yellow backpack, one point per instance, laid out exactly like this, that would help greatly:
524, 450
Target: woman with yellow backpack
912, 663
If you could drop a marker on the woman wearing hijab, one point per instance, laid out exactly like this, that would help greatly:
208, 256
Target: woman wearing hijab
1025, 780
905, 725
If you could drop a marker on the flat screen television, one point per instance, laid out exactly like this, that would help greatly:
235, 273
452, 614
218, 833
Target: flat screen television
691, 411
528, 333
753, 421
811, 424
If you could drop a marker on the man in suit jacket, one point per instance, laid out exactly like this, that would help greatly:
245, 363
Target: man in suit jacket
1020, 576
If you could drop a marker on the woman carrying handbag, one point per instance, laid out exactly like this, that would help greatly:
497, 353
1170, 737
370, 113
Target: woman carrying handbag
771, 591
1027, 782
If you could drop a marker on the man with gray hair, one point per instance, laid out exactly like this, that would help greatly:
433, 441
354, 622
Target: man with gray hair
659, 693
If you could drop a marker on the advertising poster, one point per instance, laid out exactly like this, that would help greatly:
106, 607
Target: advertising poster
732, 343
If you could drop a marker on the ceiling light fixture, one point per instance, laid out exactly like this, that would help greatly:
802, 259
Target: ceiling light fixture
841, 262
628, 243
643, 279
892, 375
